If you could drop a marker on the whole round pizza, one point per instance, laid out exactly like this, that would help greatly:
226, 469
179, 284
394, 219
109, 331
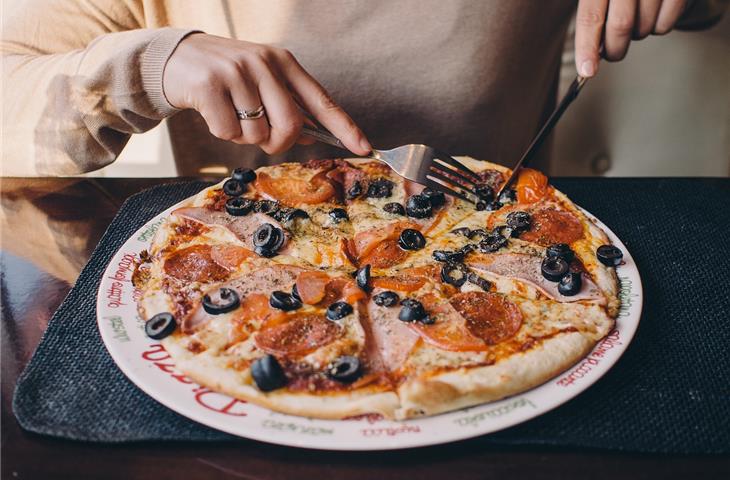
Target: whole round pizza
335, 288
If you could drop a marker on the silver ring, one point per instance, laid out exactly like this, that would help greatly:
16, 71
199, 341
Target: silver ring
250, 114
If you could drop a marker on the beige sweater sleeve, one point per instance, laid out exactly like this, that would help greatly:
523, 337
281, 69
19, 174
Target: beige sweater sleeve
78, 79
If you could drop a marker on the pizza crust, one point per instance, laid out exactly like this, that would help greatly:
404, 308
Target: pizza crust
211, 372
473, 386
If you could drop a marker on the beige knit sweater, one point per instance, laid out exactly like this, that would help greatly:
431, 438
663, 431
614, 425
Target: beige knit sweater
472, 77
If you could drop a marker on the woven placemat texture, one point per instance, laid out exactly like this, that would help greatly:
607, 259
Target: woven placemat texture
669, 393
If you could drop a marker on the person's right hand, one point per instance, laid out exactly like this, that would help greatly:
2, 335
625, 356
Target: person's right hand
216, 76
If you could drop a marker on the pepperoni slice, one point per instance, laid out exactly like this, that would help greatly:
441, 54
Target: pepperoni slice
230, 256
531, 186
254, 308
345, 175
365, 242
401, 283
312, 286
449, 331
342, 289
293, 191
489, 316
551, 226
194, 264
411, 279
385, 254
300, 334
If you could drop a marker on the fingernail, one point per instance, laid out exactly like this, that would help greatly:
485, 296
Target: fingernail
365, 145
587, 68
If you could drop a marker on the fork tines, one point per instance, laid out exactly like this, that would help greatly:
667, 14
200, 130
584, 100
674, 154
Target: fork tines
452, 177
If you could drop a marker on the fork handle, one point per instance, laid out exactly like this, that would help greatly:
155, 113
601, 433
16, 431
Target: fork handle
323, 136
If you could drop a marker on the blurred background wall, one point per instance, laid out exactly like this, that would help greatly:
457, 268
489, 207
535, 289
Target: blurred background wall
663, 111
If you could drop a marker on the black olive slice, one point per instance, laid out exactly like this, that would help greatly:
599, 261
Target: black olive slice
264, 252
518, 221
554, 268
491, 206
419, 206
484, 192
380, 188
468, 248
454, 274
160, 326
411, 239
244, 175
492, 242
338, 214
267, 373
412, 310
338, 310
344, 369
609, 255
362, 277
386, 299
448, 255
480, 282
508, 196
265, 206
560, 250
238, 206
286, 215
222, 301
570, 284
284, 301
268, 236
437, 199
481, 206
233, 188
478, 232
394, 208
354, 191
295, 293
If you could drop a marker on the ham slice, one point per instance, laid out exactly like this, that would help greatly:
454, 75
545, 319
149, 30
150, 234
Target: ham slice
526, 268
242, 227
392, 340
263, 281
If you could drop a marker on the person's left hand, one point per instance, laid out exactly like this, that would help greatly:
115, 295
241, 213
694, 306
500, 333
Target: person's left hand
614, 23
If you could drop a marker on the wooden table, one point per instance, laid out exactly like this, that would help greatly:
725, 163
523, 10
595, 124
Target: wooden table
50, 227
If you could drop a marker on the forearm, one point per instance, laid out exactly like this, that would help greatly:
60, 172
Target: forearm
68, 113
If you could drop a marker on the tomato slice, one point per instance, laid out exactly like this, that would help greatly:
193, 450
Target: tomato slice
531, 186
293, 191
549, 226
489, 316
312, 286
300, 334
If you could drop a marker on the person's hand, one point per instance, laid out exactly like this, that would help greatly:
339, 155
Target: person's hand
216, 76
614, 23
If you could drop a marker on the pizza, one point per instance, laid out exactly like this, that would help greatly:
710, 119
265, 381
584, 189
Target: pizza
335, 288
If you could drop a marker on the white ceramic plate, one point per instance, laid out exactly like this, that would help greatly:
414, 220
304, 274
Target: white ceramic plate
149, 366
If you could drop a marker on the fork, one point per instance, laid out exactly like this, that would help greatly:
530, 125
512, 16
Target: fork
419, 163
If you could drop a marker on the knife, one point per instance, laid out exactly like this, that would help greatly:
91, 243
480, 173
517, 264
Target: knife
567, 99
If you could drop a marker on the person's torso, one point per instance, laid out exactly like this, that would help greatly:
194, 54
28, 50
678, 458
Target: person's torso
471, 77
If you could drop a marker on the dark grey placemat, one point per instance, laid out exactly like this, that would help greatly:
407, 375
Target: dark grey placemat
669, 393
